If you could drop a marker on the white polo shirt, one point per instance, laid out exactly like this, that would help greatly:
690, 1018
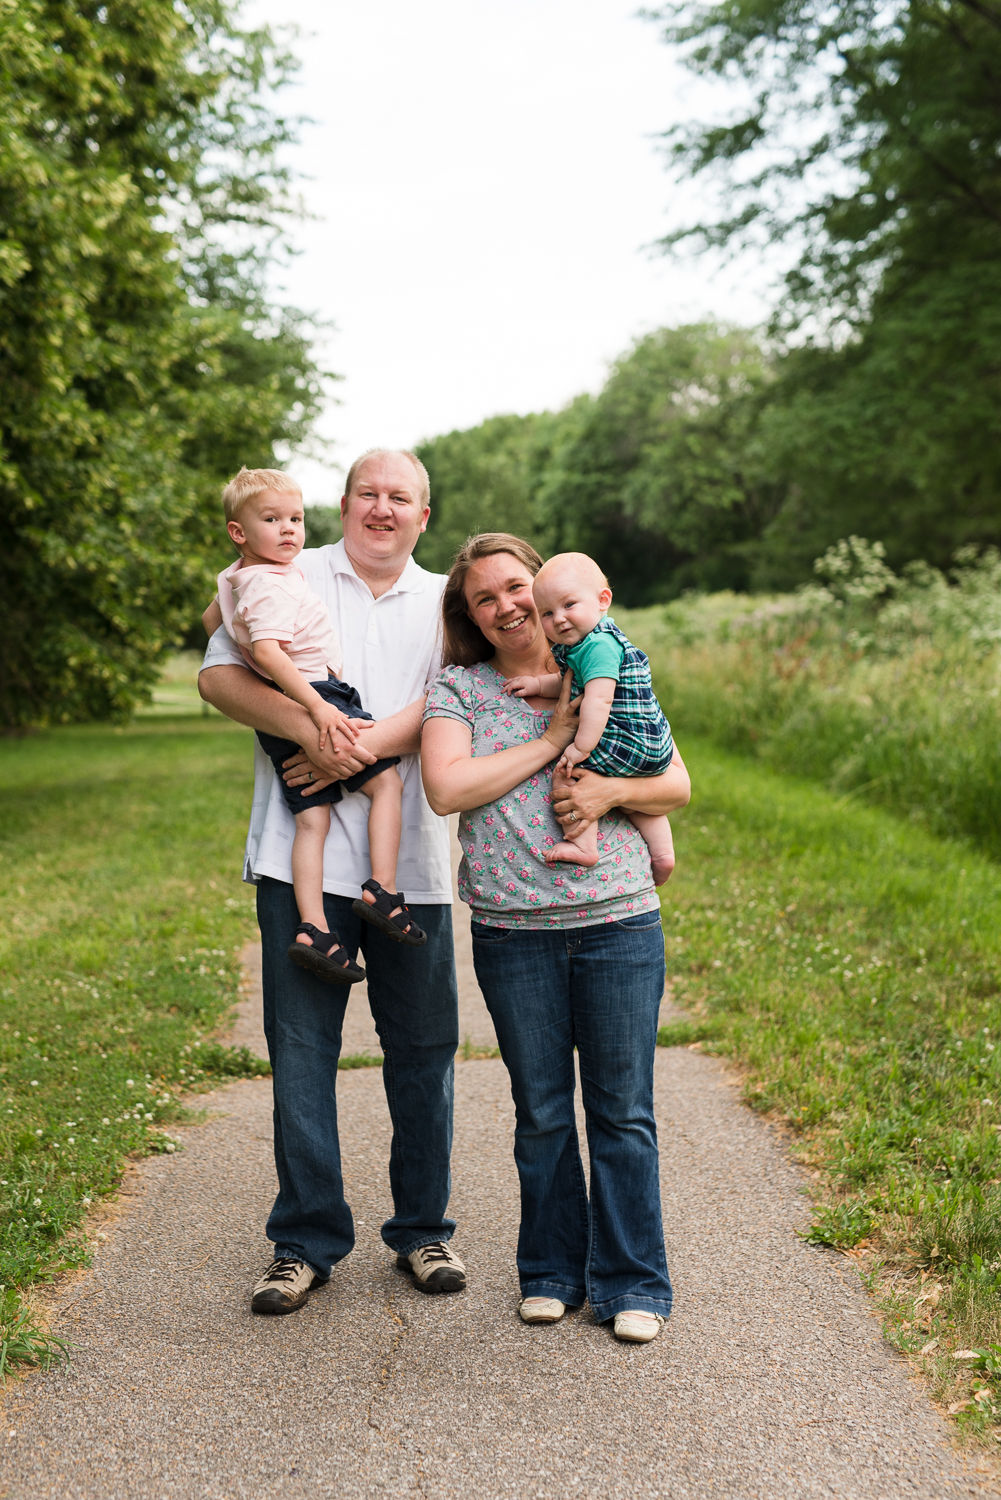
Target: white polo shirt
391, 653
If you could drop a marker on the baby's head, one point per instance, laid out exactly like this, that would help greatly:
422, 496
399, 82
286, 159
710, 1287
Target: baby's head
264, 515
571, 593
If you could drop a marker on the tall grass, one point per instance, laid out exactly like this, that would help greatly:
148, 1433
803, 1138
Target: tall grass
880, 686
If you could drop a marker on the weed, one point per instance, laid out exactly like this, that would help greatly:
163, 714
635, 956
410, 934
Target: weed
23, 1342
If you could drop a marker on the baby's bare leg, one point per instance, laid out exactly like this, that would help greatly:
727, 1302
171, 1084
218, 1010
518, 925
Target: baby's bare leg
656, 834
385, 825
311, 829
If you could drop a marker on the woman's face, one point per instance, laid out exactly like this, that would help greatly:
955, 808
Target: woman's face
499, 600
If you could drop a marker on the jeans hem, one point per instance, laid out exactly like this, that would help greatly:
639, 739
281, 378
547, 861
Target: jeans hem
570, 1296
605, 1311
432, 1239
285, 1252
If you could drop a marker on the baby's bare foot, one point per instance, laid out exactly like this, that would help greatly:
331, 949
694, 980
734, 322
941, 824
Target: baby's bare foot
661, 868
570, 854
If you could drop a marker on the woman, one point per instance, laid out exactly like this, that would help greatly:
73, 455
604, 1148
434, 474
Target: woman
565, 957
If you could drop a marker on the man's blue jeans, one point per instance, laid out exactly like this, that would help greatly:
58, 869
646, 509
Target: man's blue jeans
414, 1002
597, 989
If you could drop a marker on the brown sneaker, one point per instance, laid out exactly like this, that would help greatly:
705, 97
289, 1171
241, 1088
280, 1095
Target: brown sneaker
435, 1268
284, 1286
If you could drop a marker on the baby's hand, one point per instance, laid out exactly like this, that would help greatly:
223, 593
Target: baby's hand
329, 720
571, 757
523, 687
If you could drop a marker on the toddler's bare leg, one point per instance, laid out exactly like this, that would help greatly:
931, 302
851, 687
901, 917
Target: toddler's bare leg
311, 829
385, 824
576, 848
656, 834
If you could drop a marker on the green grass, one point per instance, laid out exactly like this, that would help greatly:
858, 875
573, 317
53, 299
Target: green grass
888, 692
176, 694
122, 918
851, 964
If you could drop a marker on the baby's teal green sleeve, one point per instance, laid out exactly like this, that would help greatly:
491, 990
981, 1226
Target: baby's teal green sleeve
598, 655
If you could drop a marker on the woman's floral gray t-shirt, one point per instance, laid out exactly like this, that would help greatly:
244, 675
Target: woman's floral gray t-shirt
503, 875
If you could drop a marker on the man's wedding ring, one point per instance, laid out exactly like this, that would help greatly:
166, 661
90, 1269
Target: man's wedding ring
312, 776
573, 817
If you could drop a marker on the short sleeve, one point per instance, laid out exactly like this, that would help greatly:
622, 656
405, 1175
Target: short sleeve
268, 607
449, 697
600, 656
222, 651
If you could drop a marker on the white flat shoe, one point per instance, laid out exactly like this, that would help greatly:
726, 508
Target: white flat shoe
541, 1309
637, 1327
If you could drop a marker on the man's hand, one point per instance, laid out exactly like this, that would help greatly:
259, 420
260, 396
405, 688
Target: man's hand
523, 687
341, 759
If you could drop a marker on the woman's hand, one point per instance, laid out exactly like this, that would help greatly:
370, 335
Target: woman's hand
591, 796
583, 798
566, 716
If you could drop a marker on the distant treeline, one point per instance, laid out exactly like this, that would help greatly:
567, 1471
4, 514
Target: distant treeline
706, 464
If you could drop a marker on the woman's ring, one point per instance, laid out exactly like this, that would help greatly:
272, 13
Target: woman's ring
312, 776
573, 817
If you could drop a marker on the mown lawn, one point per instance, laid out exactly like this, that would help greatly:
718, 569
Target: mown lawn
851, 963
121, 917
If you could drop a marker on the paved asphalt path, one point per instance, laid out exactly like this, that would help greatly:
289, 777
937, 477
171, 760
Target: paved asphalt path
770, 1380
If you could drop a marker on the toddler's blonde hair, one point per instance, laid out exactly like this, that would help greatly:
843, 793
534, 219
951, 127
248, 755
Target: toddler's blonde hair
250, 483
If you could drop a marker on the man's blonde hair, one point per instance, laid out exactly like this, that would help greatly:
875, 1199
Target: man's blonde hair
423, 478
250, 483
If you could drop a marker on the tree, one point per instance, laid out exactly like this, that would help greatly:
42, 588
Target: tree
657, 477
871, 139
485, 478
139, 360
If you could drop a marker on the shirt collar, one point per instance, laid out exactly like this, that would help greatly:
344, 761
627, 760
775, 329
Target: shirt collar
413, 579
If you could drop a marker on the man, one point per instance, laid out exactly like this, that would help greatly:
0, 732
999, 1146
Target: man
385, 609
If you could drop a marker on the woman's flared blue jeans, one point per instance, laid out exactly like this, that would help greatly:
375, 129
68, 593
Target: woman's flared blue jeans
597, 989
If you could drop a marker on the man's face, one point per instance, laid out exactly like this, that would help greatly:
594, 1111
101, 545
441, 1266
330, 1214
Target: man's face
383, 516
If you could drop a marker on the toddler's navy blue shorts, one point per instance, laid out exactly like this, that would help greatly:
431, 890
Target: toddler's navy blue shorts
347, 700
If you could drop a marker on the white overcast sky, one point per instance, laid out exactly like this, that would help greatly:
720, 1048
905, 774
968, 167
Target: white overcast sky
485, 182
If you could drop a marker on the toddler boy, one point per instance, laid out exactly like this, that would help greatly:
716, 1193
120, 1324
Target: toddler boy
286, 636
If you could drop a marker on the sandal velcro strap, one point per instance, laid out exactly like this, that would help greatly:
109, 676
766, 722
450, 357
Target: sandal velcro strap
402, 928
327, 959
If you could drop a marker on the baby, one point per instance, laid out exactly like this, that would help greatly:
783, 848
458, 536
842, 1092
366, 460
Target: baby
286, 636
622, 731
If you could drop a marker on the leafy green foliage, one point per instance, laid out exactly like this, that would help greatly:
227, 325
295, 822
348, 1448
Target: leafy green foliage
485, 479
139, 361
656, 476
868, 138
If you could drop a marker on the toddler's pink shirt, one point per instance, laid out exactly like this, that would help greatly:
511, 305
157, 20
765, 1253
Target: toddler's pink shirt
271, 602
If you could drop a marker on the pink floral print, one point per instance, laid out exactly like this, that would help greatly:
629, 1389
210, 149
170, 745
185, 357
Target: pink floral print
503, 874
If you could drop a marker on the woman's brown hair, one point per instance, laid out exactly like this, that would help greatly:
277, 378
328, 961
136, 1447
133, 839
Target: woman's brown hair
463, 642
